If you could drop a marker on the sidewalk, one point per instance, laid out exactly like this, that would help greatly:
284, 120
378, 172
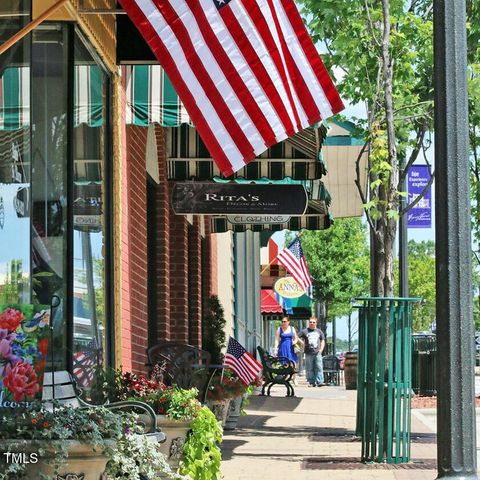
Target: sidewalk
310, 437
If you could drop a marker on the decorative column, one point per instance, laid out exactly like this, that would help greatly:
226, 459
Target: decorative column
455, 332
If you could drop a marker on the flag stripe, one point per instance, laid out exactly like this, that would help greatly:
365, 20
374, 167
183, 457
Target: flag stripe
336, 104
293, 260
292, 266
268, 95
227, 157
254, 51
262, 23
300, 60
254, 366
237, 368
183, 24
292, 72
241, 371
238, 85
243, 74
241, 361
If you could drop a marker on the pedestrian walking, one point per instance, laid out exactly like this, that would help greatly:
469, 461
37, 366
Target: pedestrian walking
285, 340
314, 344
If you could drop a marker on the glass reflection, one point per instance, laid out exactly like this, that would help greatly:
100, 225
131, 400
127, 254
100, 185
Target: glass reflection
88, 215
14, 156
49, 175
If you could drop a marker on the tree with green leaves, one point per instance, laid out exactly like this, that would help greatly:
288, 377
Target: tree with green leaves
421, 282
338, 262
382, 54
473, 53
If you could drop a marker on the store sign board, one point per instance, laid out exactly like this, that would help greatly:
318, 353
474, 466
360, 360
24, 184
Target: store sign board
238, 199
288, 287
257, 219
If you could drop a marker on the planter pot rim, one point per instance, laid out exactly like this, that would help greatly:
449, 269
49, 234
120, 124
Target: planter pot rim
164, 420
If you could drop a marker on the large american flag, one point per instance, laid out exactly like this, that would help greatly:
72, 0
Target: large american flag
293, 260
241, 362
246, 71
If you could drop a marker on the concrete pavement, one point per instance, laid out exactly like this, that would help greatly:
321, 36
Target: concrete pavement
311, 437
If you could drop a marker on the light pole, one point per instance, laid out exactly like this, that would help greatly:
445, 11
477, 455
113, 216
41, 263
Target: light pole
455, 333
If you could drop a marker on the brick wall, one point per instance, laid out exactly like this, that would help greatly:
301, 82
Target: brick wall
184, 262
162, 244
195, 282
136, 278
179, 294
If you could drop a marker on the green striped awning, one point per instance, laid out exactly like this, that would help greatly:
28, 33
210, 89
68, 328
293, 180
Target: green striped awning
15, 97
151, 97
295, 157
88, 106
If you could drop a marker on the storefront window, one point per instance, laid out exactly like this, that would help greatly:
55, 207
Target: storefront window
50, 149
90, 85
53, 196
14, 156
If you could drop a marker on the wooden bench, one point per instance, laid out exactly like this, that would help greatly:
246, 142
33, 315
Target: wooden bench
276, 371
183, 365
62, 388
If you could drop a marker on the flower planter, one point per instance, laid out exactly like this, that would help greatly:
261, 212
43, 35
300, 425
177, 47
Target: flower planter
176, 433
84, 461
219, 409
233, 413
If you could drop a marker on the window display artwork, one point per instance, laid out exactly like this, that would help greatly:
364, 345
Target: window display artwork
24, 330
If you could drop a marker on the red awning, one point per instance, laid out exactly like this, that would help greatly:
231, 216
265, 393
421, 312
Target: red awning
269, 303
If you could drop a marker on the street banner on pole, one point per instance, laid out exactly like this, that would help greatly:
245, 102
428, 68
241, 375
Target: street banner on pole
420, 216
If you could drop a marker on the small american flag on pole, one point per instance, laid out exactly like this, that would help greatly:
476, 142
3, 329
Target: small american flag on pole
293, 260
247, 71
241, 362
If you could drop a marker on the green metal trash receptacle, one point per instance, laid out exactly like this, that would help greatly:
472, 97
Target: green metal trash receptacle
424, 364
384, 383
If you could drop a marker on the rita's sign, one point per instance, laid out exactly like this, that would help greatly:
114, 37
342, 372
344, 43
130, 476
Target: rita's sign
238, 199
287, 287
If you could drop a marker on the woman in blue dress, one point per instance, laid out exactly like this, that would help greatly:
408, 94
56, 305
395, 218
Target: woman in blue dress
285, 339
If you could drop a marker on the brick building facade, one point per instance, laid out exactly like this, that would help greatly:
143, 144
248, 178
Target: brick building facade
168, 260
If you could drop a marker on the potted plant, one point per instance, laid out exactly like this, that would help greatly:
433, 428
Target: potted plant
201, 452
222, 389
64, 441
240, 392
78, 443
176, 408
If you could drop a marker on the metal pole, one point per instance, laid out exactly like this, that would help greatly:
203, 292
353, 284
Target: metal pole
403, 245
334, 336
456, 447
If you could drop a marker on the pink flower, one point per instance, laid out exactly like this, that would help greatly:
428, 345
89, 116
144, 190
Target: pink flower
6, 340
21, 380
10, 319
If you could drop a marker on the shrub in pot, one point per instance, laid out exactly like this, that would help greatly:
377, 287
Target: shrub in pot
202, 455
75, 441
175, 407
